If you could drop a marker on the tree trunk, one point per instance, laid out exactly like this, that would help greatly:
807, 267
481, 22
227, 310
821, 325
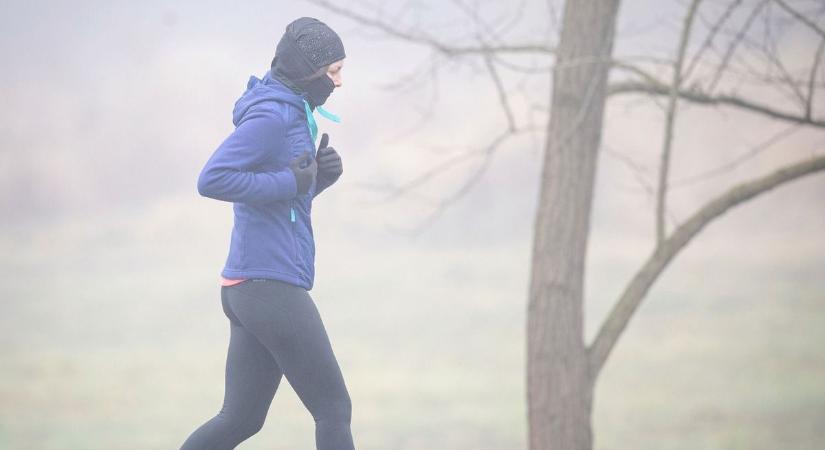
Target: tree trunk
559, 385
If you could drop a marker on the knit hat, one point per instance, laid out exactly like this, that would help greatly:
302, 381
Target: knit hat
306, 47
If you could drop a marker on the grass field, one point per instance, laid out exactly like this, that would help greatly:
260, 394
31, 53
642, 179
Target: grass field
113, 338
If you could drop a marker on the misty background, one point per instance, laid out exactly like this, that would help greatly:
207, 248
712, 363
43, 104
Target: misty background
113, 334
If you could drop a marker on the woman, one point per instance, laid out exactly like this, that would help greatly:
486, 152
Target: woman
269, 169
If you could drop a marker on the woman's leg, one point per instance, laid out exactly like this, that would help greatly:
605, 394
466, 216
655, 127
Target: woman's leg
285, 320
252, 377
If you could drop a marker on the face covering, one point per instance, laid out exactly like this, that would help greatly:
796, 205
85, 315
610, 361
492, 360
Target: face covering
309, 105
318, 90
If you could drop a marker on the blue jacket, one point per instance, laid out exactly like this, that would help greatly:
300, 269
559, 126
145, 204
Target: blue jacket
272, 233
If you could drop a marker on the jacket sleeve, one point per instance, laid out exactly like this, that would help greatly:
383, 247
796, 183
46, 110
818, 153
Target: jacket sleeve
230, 173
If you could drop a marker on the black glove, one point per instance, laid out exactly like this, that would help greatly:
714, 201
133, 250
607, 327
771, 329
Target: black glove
305, 169
329, 165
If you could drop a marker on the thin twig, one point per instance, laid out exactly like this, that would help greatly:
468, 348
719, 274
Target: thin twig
487, 152
737, 161
735, 43
812, 77
638, 173
422, 38
502, 94
711, 35
785, 76
801, 17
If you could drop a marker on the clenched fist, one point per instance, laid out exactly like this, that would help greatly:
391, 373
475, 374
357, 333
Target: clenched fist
330, 167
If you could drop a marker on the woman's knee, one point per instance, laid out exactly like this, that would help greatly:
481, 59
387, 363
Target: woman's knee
253, 425
243, 426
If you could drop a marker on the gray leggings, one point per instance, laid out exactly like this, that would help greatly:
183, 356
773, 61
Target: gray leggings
275, 330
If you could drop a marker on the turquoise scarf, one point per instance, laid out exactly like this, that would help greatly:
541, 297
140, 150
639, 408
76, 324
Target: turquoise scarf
313, 131
313, 127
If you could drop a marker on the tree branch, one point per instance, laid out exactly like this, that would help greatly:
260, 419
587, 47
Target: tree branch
735, 43
673, 95
491, 30
702, 98
487, 152
737, 161
424, 39
785, 76
711, 35
812, 78
502, 94
638, 171
421, 179
801, 17
492, 50
636, 290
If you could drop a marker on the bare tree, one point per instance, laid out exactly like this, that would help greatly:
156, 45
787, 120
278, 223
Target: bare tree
561, 368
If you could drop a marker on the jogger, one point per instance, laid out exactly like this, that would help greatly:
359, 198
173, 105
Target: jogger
261, 167
275, 330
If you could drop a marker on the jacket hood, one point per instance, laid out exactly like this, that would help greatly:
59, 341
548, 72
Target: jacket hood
266, 89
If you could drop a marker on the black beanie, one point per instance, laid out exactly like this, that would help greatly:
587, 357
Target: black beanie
306, 46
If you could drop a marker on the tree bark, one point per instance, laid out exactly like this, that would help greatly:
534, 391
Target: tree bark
559, 385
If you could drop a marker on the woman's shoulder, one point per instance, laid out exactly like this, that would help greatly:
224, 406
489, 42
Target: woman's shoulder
272, 112
264, 101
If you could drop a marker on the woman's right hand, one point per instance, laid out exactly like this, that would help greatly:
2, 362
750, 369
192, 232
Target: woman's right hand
305, 169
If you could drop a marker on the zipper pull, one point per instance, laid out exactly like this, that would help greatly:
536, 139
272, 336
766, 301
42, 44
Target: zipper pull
292, 214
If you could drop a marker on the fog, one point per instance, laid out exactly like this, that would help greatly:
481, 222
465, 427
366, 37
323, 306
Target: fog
111, 258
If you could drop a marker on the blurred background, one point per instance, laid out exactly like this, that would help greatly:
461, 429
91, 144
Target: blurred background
113, 333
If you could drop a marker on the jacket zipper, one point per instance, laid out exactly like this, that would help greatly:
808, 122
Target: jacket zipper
294, 231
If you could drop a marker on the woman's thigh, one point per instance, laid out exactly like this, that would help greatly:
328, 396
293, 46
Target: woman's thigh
285, 319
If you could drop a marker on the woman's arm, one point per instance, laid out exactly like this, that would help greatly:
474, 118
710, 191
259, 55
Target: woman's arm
229, 175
